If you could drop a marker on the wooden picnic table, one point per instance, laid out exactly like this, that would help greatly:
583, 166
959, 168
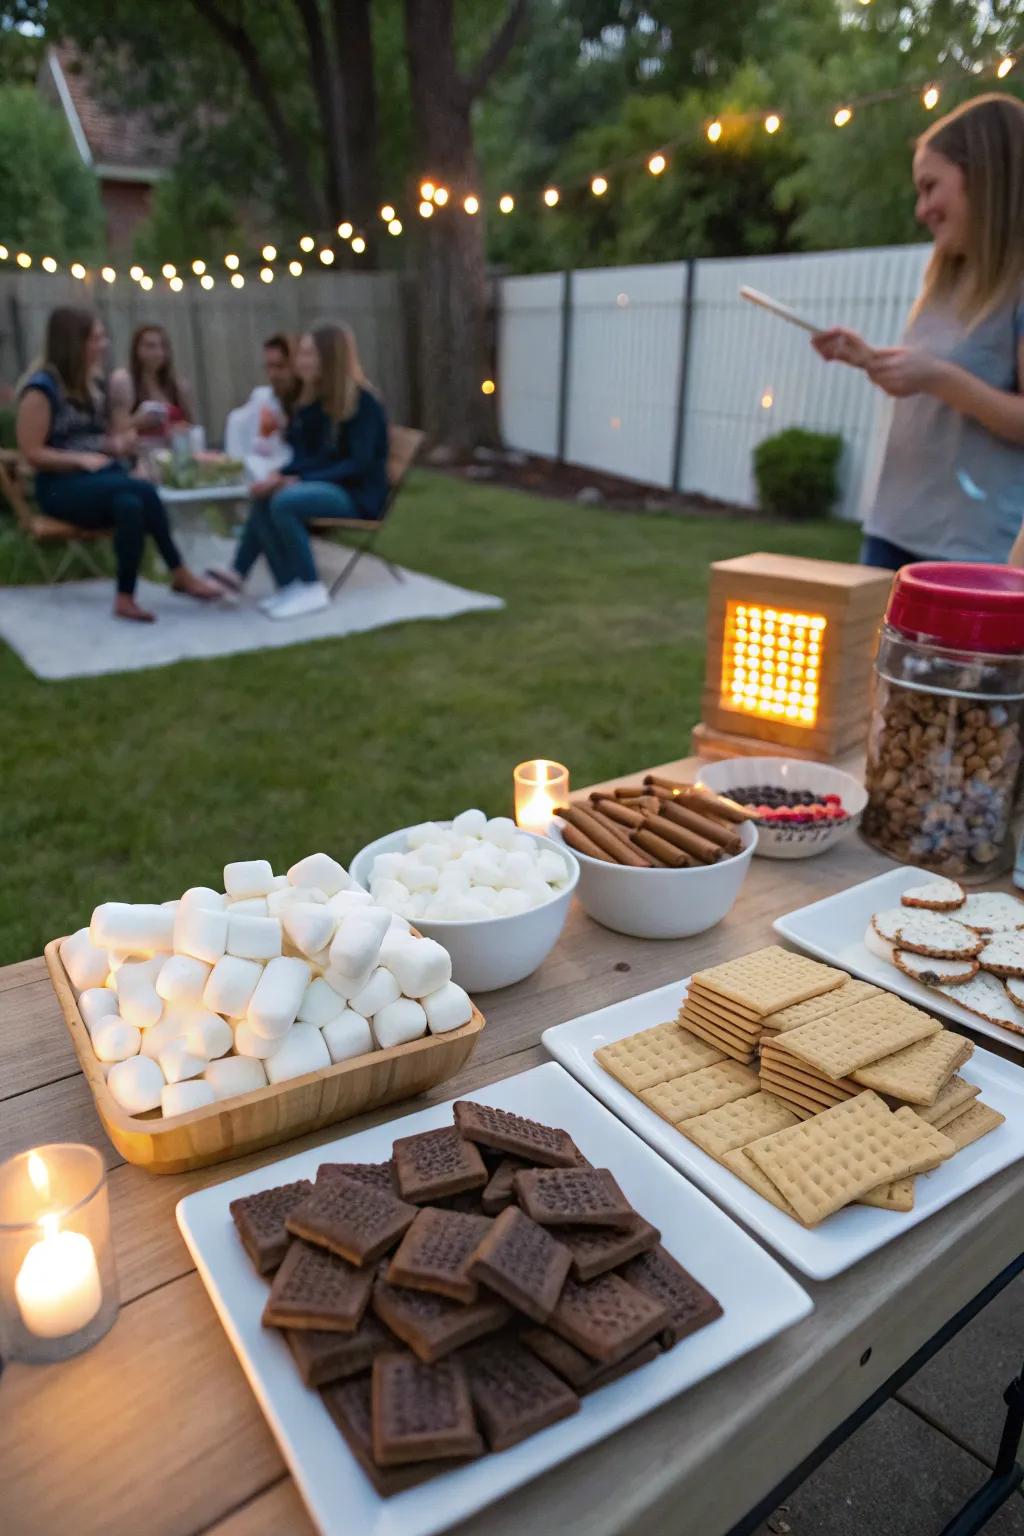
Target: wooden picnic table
155, 1430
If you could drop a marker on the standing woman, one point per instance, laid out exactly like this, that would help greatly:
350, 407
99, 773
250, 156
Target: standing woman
952, 480
148, 392
64, 432
338, 435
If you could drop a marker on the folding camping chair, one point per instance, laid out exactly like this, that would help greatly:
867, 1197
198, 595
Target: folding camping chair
39, 532
403, 446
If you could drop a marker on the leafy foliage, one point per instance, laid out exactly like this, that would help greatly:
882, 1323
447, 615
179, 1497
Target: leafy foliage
796, 473
50, 200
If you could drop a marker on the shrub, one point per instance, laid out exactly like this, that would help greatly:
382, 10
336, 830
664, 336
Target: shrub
796, 473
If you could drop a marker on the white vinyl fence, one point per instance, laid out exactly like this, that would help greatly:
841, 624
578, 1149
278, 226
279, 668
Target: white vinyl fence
602, 367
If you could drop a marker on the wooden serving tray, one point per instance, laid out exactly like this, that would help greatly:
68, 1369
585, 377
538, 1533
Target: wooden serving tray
232, 1127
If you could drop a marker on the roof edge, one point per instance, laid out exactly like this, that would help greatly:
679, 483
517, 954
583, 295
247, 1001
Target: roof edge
70, 110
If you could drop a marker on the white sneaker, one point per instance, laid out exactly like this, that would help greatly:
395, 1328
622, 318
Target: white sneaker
268, 604
302, 598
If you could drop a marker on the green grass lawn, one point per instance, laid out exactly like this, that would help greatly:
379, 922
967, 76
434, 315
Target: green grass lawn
134, 787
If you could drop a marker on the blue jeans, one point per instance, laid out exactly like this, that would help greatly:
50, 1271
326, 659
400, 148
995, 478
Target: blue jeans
884, 554
276, 527
111, 498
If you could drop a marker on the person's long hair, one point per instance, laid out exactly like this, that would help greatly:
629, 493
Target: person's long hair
67, 335
341, 373
165, 375
984, 138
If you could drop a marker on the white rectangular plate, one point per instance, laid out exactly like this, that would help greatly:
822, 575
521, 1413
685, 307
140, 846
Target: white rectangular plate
758, 1299
833, 930
850, 1234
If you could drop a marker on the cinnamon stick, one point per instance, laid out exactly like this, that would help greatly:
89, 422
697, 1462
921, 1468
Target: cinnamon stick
615, 810
673, 785
629, 792
704, 826
698, 847
658, 848
620, 851
712, 805
583, 844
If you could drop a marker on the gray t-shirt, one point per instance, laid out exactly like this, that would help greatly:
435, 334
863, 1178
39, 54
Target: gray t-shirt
949, 489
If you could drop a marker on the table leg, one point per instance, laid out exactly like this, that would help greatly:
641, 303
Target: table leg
1007, 1474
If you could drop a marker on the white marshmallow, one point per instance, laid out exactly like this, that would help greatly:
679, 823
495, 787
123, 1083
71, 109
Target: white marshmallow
288, 895
551, 866
437, 854
346, 986
275, 1002
398, 924
207, 1035
427, 832
417, 876
204, 897
96, 1004
469, 823
253, 938
171, 906
235, 1074
388, 866
348, 1035
200, 932
537, 892
231, 986
179, 1098
485, 867
248, 877
454, 881
356, 944
521, 843
519, 870
252, 906
115, 959
138, 1001
447, 1008
343, 903
280, 883
490, 896
137, 1084
309, 927
389, 893
400, 1022
321, 870
249, 1043
468, 909
501, 831
419, 966
85, 962
381, 989
114, 1040
182, 979
156, 1039
417, 907
304, 1050
320, 1003
132, 927
177, 1063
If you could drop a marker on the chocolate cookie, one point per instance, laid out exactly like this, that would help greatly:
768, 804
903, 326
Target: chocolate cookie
576, 1197
607, 1318
421, 1412
514, 1393
314, 1288
359, 1221
431, 1325
322, 1357
522, 1263
689, 1305
260, 1220
529, 1139
434, 1254
436, 1163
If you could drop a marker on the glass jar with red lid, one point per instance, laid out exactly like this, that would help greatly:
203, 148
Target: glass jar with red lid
947, 725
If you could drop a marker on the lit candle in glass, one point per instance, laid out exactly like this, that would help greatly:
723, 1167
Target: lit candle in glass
58, 1284
539, 785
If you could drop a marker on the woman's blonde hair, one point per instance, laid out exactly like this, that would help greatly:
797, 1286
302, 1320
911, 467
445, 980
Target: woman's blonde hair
341, 373
984, 138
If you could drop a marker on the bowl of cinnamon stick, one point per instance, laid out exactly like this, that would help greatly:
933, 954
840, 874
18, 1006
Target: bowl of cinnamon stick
658, 860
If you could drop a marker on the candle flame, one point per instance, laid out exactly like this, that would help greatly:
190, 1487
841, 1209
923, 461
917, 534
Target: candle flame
50, 1225
39, 1174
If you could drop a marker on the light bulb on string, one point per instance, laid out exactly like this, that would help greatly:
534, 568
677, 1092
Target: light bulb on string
77, 270
48, 264
427, 190
387, 213
198, 267
237, 280
471, 204
506, 203
772, 123
426, 209
599, 186
441, 196
109, 275
4, 253
395, 227
930, 97
135, 273
345, 230
551, 195
169, 270
656, 164
231, 262
295, 268
23, 259
269, 253
359, 245
206, 281
714, 131
842, 116
145, 282
327, 256
307, 243
175, 284
266, 274
1004, 67
487, 387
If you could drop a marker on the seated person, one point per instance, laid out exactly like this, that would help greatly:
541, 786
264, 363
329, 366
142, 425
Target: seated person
148, 395
64, 433
338, 435
254, 432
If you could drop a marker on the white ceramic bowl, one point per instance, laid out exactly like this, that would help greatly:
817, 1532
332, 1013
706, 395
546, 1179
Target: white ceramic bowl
487, 953
799, 842
662, 903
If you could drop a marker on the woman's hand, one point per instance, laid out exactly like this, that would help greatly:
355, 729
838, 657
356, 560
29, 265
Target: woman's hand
272, 483
121, 443
841, 345
91, 462
902, 371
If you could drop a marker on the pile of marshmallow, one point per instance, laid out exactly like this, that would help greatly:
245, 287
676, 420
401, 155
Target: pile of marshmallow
471, 870
221, 993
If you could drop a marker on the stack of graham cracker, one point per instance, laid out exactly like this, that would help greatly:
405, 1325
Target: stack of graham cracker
810, 1130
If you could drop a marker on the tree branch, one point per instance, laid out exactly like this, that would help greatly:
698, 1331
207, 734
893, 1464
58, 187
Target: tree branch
497, 50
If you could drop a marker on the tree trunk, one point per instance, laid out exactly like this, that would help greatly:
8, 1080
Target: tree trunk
353, 64
328, 89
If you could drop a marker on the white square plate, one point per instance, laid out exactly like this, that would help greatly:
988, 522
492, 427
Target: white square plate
833, 930
758, 1300
850, 1234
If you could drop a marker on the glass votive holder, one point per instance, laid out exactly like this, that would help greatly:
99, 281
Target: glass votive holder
539, 786
58, 1281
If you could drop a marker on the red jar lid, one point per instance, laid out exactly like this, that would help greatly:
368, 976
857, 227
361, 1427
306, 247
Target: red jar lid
964, 607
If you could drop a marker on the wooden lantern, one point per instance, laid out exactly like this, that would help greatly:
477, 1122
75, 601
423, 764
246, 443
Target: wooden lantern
790, 647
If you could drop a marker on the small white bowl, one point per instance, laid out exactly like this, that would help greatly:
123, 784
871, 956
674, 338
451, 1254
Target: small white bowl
797, 842
493, 952
662, 903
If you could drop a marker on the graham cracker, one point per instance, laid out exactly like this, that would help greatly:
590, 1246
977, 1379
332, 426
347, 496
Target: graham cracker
930, 1146
952, 1100
734, 1124
972, 1124
769, 979
818, 1007
919, 1072
839, 1155
746, 1039
804, 1093
743, 1018
781, 1060
897, 1196
697, 1092
860, 1033
795, 1098
655, 1055
713, 1036
746, 1169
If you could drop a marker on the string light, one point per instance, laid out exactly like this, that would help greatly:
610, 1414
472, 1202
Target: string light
327, 256
23, 259
48, 264
295, 268
231, 262
206, 281
266, 274
599, 186
714, 131
307, 243
487, 387
135, 273
269, 253
4, 253
237, 280
551, 196
175, 284
77, 270
441, 196
198, 267
169, 270
471, 204
1005, 65
506, 203
426, 209
767, 400
145, 282
772, 123
108, 274
345, 230
427, 190
843, 116
359, 245
395, 227
387, 213
656, 164
930, 98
